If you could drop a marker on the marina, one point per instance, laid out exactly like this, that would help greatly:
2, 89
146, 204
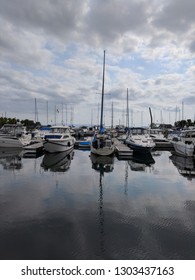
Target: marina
75, 205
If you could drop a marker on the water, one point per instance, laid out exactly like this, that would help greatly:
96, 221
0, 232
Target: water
55, 207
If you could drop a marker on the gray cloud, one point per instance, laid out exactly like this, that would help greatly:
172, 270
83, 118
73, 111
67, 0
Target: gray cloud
52, 50
175, 16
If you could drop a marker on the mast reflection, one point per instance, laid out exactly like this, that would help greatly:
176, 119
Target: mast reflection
102, 164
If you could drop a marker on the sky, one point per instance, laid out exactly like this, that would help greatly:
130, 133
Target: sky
51, 57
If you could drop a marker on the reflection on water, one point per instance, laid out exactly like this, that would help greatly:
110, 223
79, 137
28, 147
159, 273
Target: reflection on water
57, 162
100, 208
141, 162
185, 165
10, 159
102, 164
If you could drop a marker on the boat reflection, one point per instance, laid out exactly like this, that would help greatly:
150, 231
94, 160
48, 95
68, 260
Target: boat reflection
102, 163
185, 165
140, 161
10, 158
57, 162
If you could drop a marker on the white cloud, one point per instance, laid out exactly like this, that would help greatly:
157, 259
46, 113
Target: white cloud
53, 50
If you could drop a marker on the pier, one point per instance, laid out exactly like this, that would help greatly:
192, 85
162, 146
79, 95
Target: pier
33, 149
122, 151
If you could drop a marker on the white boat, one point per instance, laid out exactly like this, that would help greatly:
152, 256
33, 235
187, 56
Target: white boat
139, 140
39, 134
84, 143
185, 143
183, 148
188, 135
102, 143
59, 139
157, 135
14, 136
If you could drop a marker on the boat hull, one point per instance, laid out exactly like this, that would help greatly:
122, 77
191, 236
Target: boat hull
106, 151
55, 146
140, 148
184, 149
7, 142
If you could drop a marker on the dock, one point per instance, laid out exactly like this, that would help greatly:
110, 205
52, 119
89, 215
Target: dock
122, 151
166, 145
33, 149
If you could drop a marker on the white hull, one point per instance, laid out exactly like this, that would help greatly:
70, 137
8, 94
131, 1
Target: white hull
183, 148
10, 142
106, 151
58, 145
140, 144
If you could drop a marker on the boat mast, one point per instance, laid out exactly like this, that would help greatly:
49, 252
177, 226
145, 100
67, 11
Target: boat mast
151, 120
102, 102
127, 111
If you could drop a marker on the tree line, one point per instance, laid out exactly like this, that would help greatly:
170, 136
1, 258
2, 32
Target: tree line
30, 124
184, 123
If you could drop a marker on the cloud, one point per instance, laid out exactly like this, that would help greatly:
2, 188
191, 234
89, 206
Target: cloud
53, 51
175, 16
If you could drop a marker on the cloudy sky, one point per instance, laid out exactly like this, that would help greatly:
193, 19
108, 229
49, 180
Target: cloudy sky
52, 52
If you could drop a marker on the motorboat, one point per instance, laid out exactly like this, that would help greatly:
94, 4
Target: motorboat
14, 136
139, 140
102, 143
184, 148
84, 143
59, 139
184, 144
39, 134
157, 135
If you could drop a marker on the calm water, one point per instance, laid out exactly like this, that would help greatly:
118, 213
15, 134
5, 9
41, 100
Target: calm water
74, 207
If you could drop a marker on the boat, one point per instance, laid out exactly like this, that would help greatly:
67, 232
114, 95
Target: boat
139, 140
59, 139
184, 144
157, 135
84, 143
14, 136
185, 148
39, 134
102, 143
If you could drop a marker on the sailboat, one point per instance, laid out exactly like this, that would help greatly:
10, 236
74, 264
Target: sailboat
102, 143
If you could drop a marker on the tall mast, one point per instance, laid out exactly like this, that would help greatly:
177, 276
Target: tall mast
112, 116
127, 112
102, 102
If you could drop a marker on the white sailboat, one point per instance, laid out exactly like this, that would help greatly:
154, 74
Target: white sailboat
102, 143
